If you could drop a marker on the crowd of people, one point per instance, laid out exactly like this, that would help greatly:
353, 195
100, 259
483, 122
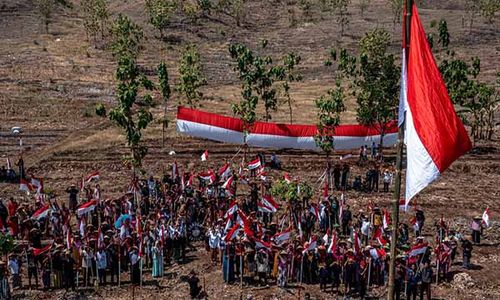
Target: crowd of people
248, 231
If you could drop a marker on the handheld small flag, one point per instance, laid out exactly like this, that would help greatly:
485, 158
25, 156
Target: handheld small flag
204, 156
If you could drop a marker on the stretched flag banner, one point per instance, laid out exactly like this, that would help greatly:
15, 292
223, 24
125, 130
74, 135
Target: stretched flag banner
26, 186
282, 237
434, 135
86, 207
274, 135
92, 176
39, 251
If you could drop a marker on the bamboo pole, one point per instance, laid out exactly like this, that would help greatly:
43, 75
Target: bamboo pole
399, 167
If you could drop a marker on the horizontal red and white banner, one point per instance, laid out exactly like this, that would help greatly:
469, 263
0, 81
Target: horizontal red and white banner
225, 129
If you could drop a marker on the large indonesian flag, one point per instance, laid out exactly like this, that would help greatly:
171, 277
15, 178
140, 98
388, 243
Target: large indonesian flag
435, 136
92, 176
282, 237
267, 204
41, 212
86, 207
273, 135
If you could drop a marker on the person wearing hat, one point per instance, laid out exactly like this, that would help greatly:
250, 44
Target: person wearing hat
477, 229
135, 274
32, 267
467, 252
73, 197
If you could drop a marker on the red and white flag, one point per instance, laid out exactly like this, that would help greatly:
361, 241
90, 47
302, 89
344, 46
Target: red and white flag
232, 233
333, 244
434, 134
86, 207
204, 156
233, 207
69, 239
9, 164
254, 164
261, 173
379, 237
386, 220
227, 185
224, 171
377, 253
357, 243
40, 251
260, 244
100, 239
325, 190
208, 176
287, 178
418, 249
41, 212
326, 237
282, 237
486, 217
26, 186
92, 176
314, 210
269, 202
37, 183
310, 245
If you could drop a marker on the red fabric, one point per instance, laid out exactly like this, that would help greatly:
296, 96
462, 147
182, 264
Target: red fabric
235, 124
38, 251
438, 126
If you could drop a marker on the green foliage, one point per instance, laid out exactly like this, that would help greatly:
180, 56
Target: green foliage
6, 243
477, 100
131, 113
444, 36
397, 10
363, 5
234, 8
205, 6
330, 107
160, 12
472, 8
95, 18
305, 191
126, 38
165, 93
100, 110
339, 9
290, 62
430, 40
489, 8
45, 9
376, 80
191, 75
291, 192
258, 75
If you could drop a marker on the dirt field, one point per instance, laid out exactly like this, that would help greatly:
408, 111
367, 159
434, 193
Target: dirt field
50, 83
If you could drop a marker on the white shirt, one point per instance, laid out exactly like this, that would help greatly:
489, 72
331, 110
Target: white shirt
13, 266
214, 239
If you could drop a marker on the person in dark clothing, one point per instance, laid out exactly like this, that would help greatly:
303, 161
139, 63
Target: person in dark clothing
324, 277
113, 262
194, 288
375, 178
426, 276
336, 176
467, 252
346, 221
32, 268
420, 217
68, 271
73, 197
413, 278
4, 212
345, 173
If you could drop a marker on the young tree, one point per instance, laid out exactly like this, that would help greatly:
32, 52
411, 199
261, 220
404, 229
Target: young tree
95, 18
330, 108
45, 9
6, 244
160, 12
472, 8
290, 62
131, 113
234, 8
339, 9
489, 8
477, 100
444, 35
191, 75
363, 5
258, 75
376, 80
126, 38
397, 10
165, 93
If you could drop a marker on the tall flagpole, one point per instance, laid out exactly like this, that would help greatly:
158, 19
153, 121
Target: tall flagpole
399, 167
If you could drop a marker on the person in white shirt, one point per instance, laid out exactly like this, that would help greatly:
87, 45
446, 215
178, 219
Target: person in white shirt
102, 263
387, 178
13, 266
87, 256
214, 237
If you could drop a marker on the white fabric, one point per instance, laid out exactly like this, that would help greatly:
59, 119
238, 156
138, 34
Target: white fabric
420, 168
